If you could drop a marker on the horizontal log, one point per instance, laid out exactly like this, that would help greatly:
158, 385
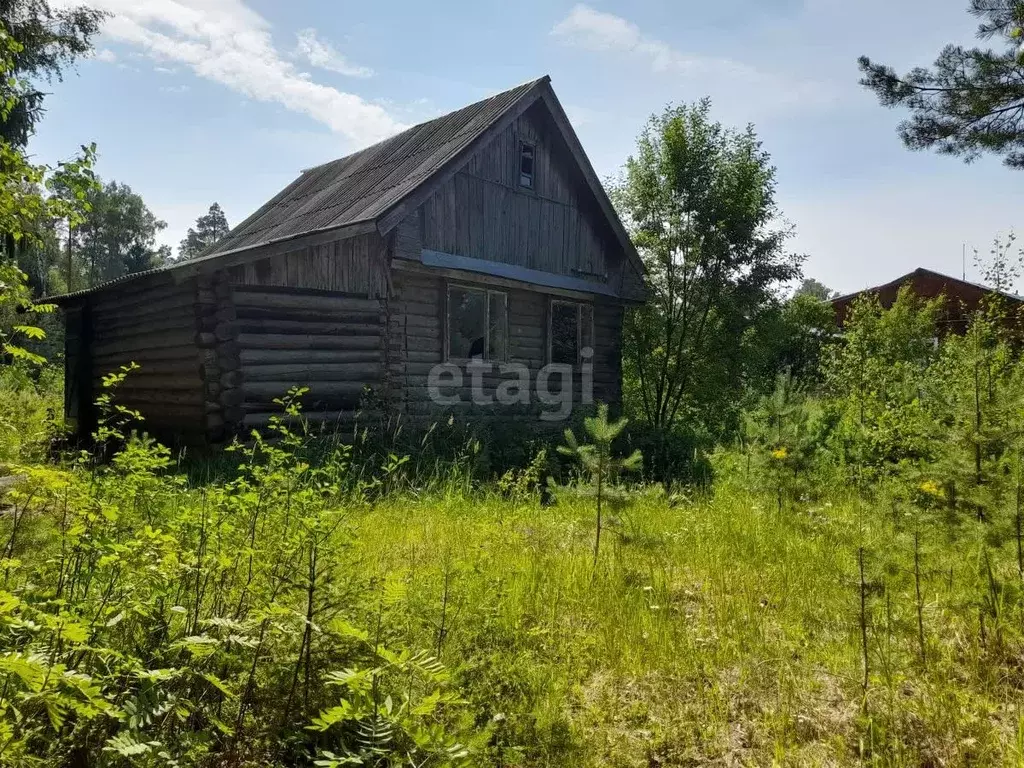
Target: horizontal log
136, 325
180, 303
251, 357
264, 326
298, 341
423, 356
244, 297
306, 316
114, 360
416, 309
327, 418
163, 340
155, 382
419, 321
184, 367
268, 390
138, 295
303, 372
175, 418
158, 397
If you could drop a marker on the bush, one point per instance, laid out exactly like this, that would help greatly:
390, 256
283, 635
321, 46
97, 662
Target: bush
31, 411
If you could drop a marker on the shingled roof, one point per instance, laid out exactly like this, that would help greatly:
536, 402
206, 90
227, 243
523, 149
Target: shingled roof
364, 185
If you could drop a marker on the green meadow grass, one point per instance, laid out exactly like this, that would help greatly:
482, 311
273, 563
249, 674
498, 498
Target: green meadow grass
718, 631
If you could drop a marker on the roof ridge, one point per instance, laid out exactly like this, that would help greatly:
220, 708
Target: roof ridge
525, 86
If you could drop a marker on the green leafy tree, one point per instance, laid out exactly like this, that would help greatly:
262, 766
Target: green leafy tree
1003, 266
24, 210
210, 229
51, 40
699, 200
874, 380
972, 100
118, 234
793, 338
811, 287
600, 463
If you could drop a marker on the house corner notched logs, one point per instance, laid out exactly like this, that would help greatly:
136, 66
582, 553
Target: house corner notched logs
217, 341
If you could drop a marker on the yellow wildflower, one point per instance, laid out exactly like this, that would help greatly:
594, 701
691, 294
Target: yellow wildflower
780, 453
931, 488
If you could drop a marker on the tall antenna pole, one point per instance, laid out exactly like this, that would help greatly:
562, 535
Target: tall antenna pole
963, 261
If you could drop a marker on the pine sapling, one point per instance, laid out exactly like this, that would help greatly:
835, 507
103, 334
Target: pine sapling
599, 462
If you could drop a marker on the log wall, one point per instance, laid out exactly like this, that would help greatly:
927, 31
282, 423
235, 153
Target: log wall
417, 329
331, 342
151, 322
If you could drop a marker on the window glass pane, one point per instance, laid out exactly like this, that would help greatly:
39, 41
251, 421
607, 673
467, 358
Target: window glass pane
467, 323
586, 326
498, 343
564, 333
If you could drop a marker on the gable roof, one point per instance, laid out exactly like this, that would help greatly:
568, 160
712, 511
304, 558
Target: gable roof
922, 272
364, 185
374, 188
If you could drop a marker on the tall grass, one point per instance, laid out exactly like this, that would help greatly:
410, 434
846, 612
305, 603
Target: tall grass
717, 630
333, 602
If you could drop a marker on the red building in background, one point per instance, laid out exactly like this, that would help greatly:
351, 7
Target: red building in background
962, 298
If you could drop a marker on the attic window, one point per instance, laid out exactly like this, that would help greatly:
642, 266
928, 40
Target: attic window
526, 165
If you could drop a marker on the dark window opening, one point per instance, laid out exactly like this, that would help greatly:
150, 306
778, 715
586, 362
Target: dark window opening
571, 331
526, 165
477, 324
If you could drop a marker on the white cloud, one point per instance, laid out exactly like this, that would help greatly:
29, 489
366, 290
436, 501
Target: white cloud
319, 53
594, 30
601, 32
105, 55
227, 42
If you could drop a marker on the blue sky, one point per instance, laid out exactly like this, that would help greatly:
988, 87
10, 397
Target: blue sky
192, 101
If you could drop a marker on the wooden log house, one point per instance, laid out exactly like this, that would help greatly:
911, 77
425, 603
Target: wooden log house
482, 235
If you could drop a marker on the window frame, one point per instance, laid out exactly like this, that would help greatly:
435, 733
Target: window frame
532, 186
579, 305
488, 293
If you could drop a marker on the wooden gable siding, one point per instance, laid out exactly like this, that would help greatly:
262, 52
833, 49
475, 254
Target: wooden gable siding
153, 324
483, 212
416, 337
354, 265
